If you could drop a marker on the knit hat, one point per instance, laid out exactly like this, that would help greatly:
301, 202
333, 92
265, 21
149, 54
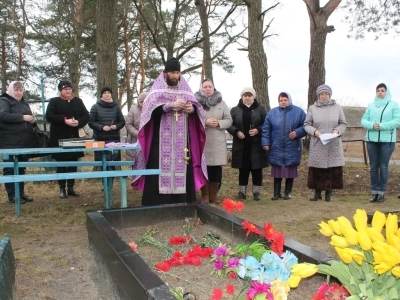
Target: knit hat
106, 89
248, 90
324, 88
172, 65
141, 97
64, 84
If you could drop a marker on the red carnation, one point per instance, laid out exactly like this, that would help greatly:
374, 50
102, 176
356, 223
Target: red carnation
230, 289
217, 294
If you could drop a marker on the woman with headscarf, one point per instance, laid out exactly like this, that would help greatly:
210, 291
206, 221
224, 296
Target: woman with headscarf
217, 120
247, 154
16, 131
66, 114
325, 161
132, 125
381, 119
282, 132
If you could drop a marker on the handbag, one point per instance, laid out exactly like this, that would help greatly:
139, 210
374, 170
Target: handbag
83, 132
40, 140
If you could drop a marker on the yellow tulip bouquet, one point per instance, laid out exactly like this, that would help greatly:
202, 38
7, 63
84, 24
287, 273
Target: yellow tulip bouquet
369, 266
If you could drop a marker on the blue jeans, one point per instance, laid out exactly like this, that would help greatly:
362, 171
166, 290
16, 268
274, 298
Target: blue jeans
379, 156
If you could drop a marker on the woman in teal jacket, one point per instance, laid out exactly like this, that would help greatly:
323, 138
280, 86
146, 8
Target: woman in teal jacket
381, 119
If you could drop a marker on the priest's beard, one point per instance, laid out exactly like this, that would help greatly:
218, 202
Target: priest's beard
171, 81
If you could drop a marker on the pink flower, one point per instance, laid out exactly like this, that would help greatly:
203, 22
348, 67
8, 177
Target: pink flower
218, 264
259, 288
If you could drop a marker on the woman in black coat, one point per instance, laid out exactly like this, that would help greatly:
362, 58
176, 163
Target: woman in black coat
247, 154
16, 131
106, 120
66, 115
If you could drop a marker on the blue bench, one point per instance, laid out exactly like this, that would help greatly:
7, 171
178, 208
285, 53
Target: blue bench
106, 175
123, 175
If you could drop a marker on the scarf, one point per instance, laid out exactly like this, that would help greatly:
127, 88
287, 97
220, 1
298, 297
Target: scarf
378, 102
207, 102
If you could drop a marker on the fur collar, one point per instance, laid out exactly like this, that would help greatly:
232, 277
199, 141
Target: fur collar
208, 102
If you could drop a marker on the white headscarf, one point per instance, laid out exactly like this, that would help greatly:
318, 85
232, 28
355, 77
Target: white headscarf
10, 90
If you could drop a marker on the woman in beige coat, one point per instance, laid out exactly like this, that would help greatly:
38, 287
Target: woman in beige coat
132, 125
218, 118
325, 162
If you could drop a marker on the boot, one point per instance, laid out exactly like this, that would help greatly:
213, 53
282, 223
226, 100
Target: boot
71, 192
277, 189
328, 196
257, 192
63, 194
242, 192
26, 198
205, 193
288, 188
373, 198
213, 192
380, 198
317, 195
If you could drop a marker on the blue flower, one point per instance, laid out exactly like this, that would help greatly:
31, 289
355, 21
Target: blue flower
248, 267
270, 260
288, 260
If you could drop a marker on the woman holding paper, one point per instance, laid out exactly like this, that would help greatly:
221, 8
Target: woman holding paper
281, 135
381, 119
325, 161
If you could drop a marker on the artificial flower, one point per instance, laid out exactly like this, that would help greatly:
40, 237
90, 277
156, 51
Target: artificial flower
360, 219
335, 227
248, 267
338, 241
250, 228
217, 294
277, 241
218, 265
364, 240
294, 281
179, 240
280, 290
163, 267
304, 270
396, 271
133, 246
325, 229
230, 289
378, 220
268, 230
259, 288
391, 224
344, 254
232, 275
334, 291
231, 205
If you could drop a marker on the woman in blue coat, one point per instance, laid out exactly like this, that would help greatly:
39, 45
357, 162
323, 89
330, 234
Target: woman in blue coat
281, 136
381, 119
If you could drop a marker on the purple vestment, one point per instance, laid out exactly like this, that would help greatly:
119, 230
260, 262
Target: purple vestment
176, 134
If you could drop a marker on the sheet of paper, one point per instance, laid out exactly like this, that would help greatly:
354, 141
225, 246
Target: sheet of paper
327, 137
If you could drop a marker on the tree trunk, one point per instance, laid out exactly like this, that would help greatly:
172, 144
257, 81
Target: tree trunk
3, 60
207, 61
318, 32
106, 46
257, 56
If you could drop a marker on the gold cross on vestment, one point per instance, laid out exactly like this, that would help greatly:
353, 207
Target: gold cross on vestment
176, 114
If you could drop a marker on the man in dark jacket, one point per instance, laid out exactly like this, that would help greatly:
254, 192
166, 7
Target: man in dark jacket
16, 131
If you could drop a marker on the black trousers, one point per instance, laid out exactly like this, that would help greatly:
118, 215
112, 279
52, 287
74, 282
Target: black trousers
70, 182
10, 186
214, 174
256, 175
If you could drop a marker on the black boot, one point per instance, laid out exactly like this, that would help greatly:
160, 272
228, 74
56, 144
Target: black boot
317, 195
277, 189
373, 198
328, 196
63, 194
288, 188
71, 192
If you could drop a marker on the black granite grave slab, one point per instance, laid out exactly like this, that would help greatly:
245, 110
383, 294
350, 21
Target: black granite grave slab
131, 277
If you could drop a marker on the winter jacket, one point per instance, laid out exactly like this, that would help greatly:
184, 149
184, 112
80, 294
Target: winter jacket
278, 124
14, 131
215, 149
388, 118
106, 114
57, 111
132, 128
325, 116
247, 152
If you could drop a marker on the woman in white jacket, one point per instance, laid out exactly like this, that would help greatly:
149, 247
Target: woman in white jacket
218, 118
